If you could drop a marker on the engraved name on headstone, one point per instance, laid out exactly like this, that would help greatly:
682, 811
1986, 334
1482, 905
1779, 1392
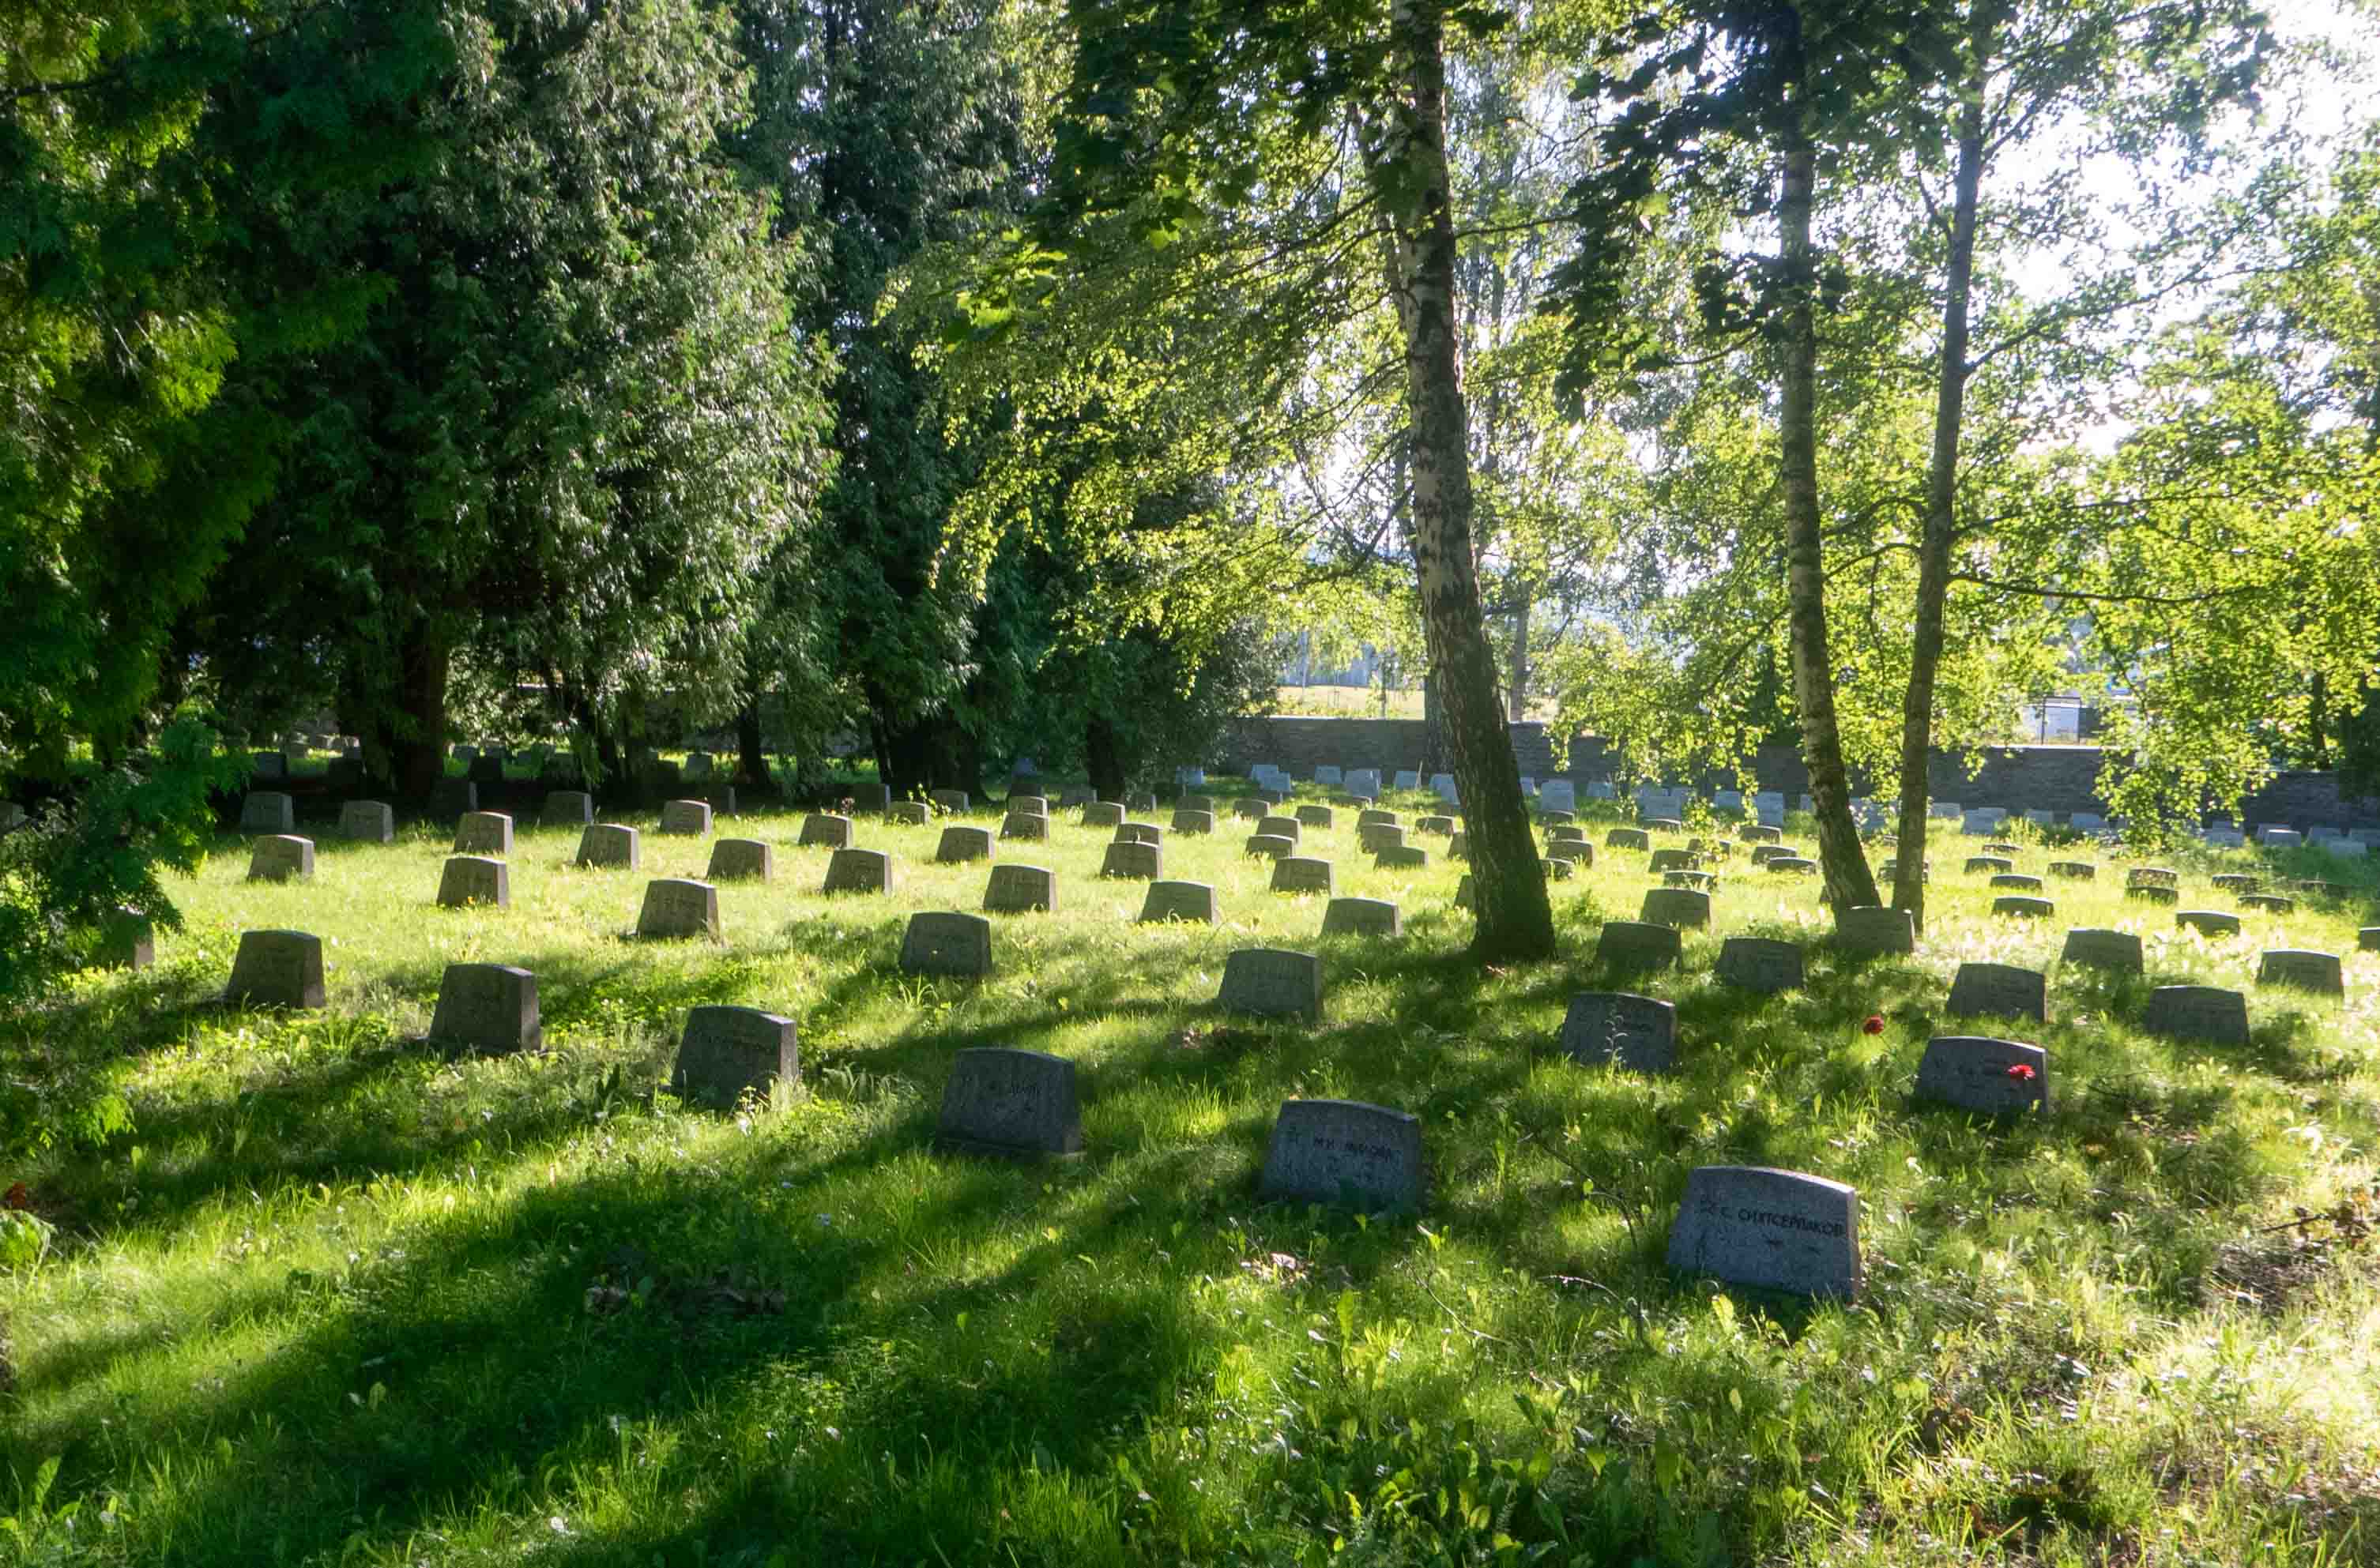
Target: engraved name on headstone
1999, 991
1637, 1032
1760, 963
1272, 982
1011, 1103
2198, 1012
1368, 1157
676, 907
1362, 917
1979, 1073
1772, 1229
2302, 967
475, 880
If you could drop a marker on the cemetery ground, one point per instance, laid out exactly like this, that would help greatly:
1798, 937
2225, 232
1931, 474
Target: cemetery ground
320, 1293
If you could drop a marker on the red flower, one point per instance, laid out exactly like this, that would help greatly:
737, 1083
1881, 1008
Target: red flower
2022, 1072
1875, 1024
20, 1197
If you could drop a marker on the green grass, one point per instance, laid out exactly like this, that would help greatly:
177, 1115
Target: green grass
331, 1298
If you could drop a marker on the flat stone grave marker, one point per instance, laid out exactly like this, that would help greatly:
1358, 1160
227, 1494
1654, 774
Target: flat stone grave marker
487, 1007
1557, 818
2021, 906
1103, 813
725, 1051
452, 797
2198, 1012
267, 811
859, 871
2271, 903
2074, 871
1577, 850
1676, 906
1988, 865
280, 857
1771, 1229
2100, 949
1194, 821
1010, 1104
1373, 817
2152, 876
946, 942
962, 845
1021, 890
952, 801
1673, 860
276, 969
2367, 940
1193, 902
741, 860
1302, 874
824, 830
1999, 990
1618, 1027
686, 818
1024, 826
2206, 923
1755, 834
909, 814
1029, 805
1707, 881
483, 833
2017, 882
1344, 1151
1270, 845
1441, 825
1570, 833
868, 797
370, 821
2302, 967
1760, 963
1630, 946
481, 880
1139, 862
1362, 917
1272, 982
2152, 893
1287, 827
1978, 1073
1791, 865
676, 907
1664, 825
1876, 930
1402, 857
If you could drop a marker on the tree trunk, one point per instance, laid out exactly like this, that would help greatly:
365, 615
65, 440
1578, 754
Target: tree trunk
1518, 696
418, 744
1508, 880
1103, 758
1848, 881
924, 754
752, 758
1941, 490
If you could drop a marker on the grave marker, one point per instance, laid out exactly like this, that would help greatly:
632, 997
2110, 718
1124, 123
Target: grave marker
2198, 1012
2074, 871
952, 801
1876, 930
1139, 862
1999, 990
1280, 827
2152, 893
962, 845
859, 871
1988, 865
608, 844
1344, 1151
1705, 880
726, 1051
1028, 805
1103, 813
1316, 816
1402, 857
1408, 780
2020, 907
1627, 839
2152, 876
480, 880
2099, 949
1566, 850
2017, 882
2367, 940
452, 797
2302, 967
280, 857
1978, 1073
1272, 982
1194, 821
1771, 1229
946, 942
2206, 923
686, 818
1362, 917
1617, 1027
566, 808
267, 811
1020, 889
370, 821
2271, 903
1270, 845
1193, 902
676, 907
276, 969
1674, 860
870, 797
1676, 906
1025, 825
490, 1008
1760, 963
1011, 1105
741, 860
1629, 947
824, 830
909, 814
1791, 865
1441, 825
483, 833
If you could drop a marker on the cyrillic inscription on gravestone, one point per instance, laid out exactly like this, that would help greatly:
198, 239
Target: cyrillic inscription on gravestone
2306, 970
1760, 963
1316, 816
280, 857
946, 942
2119, 951
2207, 922
276, 969
961, 845
1637, 1033
724, 1051
1776, 1230
483, 833
1677, 906
608, 844
370, 821
1365, 1156
1301, 873
824, 830
1103, 813
481, 880
1010, 1102
1873, 929
859, 871
1194, 821
1017, 889
1999, 990
739, 859
490, 1007
687, 818
1139, 862
1628, 946
676, 907
1179, 900
1978, 1073
566, 808
267, 810
1272, 982
1362, 917
2198, 1012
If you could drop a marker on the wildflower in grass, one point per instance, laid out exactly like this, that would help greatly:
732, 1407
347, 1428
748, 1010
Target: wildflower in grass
1875, 1024
2022, 1072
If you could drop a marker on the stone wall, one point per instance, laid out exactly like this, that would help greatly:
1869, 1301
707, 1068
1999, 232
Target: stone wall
2061, 779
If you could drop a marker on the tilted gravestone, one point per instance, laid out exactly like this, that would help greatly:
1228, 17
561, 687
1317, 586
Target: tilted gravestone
1024, 826
1771, 1229
1272, 982
1630, 946
2271, 903
2302, 967
1019, 889
276, 969
1988, 865
2017, 882
1316, 816
488, 1007
1287, 827
566, 808
908, 814
946, 942
725, 1052
686, 818
1618, 1027
1872, 930
824, 830
1269, 845
1676, 906
1380, 836
1148, 832
1301, 873
280, 857
483, 833
1975, 1072
452, 797
1010, 1103
2198, 1012
370, 821
1193, 902
2020, 907
1999, 991
953, 800
1760, 963
741, 860
267, 811
1194, 821
1674, 860
859, 871
1362, 917
1345, 1151
608, 844
1103, 813
475, 880
962, 845
2097, 948
2206, 923
1139, 862
676, 907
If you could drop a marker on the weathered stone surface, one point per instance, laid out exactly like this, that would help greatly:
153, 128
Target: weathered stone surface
488, 1007
1269, 845
741, 860
2198, 1012
953, 800
1760, 963
610, 845
452, 797
825, 830
1618, 1027
1632, 947
1192, 901
961, 846
1139, 862
1976, 1072
2074, 871
1028, 805
1553, 819
1254, 808
909, 814
1674, 860
1790, 865
2021, 906
1558, 794
1362, 917
1573, 849
1558, 871
1194, 821
1024, 826
946, 942
1344, 1151
2097, 948
1441, 826
1988, 865
270, 765
859, 871
1999, 991
1676, 906
1147, 833
1771, 1229
370, 821
1019, 889
1272, 982
2303, 969
1873, 930
1364, 781
566, 808
1103, 813
267, 811
724, 1052
1287, 827
676, 907
1316, 816
276, 969
1407, 778
1571, 833
1458, 848
480, 880
1326, 775
869, 797
2367, 940
2207, 922
1141, 801
1402, 857
2152, 893
1761, 835
1378, 836
686, 818
126, 940
1301, 873
1018, 1105
2017, 882
1763, 853
2270, 903
1374, 817
2152, 876
483, 833
280, 857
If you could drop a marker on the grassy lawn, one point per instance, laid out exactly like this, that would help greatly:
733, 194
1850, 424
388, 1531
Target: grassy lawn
333, 1298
